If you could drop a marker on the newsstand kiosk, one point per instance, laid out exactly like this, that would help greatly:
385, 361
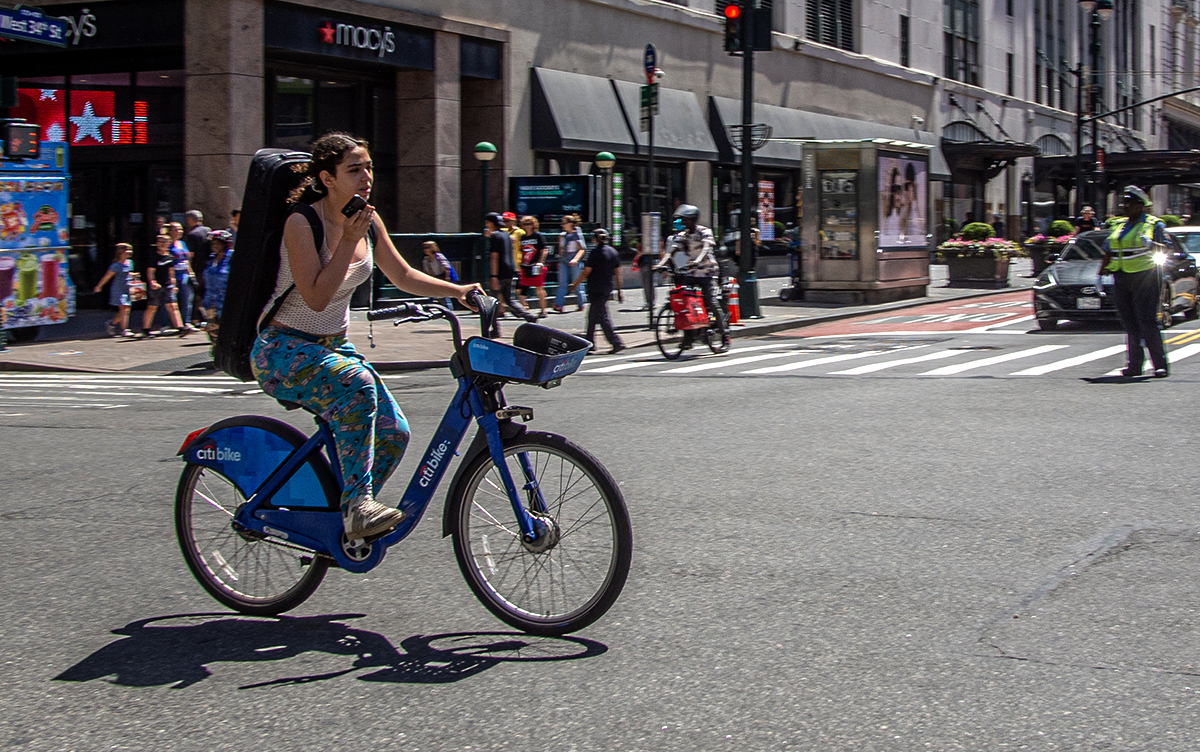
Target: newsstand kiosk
35, 287
866, 231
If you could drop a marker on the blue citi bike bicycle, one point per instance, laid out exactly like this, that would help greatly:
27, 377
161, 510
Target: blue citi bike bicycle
539, 527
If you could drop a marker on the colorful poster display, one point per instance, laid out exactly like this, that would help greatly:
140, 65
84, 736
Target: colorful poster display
34, 288
902, 201
766, 210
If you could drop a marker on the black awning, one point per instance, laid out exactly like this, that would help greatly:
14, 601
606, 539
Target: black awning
578, 113
787, 123
1141, 168
680, 130
988, 157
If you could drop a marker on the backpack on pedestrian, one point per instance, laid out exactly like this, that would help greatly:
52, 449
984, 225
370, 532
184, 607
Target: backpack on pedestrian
254, 266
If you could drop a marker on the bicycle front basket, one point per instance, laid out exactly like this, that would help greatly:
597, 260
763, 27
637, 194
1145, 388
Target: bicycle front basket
537, 355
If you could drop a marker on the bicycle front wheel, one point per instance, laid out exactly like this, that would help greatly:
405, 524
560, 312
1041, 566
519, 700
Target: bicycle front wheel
247, 572
666, 336
573, 573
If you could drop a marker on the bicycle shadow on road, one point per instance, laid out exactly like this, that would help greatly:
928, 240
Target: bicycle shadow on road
178, 650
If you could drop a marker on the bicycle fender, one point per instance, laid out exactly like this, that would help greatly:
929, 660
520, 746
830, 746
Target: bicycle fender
247, 448
508, 430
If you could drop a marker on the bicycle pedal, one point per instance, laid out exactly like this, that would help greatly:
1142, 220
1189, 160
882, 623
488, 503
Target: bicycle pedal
507, 413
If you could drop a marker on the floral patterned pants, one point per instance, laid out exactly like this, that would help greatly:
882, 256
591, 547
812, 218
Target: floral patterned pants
330, 378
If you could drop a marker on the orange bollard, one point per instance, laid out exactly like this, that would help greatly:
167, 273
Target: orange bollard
735, 309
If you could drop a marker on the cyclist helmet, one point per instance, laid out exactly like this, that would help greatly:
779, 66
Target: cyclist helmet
225, 236
601, 236
687, 211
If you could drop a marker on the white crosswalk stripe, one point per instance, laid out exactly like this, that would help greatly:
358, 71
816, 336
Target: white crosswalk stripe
891, 359
976, 364
28, 391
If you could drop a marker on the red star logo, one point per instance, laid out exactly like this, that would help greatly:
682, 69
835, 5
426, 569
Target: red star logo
327, 32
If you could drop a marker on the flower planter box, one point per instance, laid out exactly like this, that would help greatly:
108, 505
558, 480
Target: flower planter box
977, 271
1039, 252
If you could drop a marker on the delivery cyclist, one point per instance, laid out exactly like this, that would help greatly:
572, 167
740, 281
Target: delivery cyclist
1129, 256
696, 243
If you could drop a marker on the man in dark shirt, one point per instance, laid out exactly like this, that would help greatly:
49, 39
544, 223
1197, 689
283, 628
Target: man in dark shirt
195, 237
602, 267
500, 262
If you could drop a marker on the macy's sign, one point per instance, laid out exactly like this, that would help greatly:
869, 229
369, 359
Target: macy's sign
360, 37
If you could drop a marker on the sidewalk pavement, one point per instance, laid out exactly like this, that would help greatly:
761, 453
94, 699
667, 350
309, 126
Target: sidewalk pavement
81, 345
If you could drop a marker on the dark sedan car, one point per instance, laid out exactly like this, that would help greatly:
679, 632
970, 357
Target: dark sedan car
1069, 289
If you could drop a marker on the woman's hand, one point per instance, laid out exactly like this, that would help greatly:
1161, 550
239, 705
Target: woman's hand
464, 291
355, 227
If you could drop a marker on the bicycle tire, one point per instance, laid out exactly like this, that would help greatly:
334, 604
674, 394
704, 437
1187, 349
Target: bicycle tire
666, 336
235, 569
580, 494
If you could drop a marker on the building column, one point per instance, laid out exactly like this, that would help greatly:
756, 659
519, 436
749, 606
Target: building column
223, 102
427, 112
698, 176
483, 119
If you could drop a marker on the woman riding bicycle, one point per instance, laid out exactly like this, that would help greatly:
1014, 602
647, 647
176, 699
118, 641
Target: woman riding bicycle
303, 356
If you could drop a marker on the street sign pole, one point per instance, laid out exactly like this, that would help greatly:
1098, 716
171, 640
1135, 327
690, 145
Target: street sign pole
651, 65
748, 283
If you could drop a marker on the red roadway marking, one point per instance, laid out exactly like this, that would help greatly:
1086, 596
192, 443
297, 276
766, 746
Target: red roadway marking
951, 316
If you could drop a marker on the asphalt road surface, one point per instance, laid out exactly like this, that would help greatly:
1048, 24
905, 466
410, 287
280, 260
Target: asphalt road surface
909, 534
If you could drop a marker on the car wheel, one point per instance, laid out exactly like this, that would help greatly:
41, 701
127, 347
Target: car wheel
1047, 325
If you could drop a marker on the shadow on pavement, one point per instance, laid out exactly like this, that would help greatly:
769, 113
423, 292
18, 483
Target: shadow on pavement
178, 650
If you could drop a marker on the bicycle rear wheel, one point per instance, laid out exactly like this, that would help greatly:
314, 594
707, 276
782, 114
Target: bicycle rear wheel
666, 336
247, 572
574, 572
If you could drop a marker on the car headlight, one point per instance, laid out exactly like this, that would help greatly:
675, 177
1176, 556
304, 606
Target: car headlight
1159, 258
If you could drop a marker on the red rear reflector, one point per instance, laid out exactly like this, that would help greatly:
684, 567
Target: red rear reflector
190, 437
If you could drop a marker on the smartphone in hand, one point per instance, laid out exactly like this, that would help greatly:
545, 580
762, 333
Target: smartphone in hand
354, 205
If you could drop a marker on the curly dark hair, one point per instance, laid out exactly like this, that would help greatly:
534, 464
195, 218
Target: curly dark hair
327, 153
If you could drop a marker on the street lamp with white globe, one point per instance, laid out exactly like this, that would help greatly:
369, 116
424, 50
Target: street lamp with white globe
485, 152
605, 161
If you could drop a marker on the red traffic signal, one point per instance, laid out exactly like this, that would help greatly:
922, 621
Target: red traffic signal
732, 11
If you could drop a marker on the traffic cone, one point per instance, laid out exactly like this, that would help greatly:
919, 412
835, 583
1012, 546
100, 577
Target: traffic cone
735, 308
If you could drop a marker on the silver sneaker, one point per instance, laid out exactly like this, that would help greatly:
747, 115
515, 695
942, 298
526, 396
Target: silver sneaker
370, 518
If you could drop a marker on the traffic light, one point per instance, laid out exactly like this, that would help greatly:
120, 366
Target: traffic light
733, 27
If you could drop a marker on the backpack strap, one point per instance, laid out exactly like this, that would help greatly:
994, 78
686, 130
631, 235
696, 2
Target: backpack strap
318, 231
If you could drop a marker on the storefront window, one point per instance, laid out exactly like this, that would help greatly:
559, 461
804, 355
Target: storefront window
105, 109
293, 126
777, 196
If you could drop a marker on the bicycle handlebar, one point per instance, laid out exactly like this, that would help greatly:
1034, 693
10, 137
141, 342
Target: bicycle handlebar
393, 312
426, 310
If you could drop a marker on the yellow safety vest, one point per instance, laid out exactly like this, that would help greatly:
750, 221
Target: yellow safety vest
1133, 251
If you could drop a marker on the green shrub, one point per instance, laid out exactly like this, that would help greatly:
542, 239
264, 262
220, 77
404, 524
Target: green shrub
978, 231
1170, 220
1060, 227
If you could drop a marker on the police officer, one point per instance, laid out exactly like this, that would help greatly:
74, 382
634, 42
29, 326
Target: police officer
1129, 256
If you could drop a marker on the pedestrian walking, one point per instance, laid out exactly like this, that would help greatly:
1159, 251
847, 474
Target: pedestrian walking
515, 232
185, 278
216, 279
119, 272
160, 276
602, 273
500, 259
437, 266
1129, 257
531, 271
644, 260
196, 238
571, 250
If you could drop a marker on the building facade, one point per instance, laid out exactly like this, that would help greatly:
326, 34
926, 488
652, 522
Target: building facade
163, 102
